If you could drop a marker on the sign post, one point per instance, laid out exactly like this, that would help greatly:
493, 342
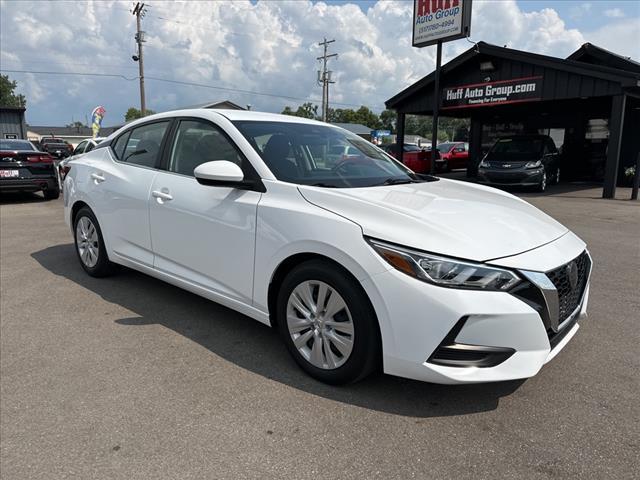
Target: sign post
435, 22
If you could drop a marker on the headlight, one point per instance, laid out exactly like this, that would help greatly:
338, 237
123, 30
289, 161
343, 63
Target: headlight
445, 272
534, 164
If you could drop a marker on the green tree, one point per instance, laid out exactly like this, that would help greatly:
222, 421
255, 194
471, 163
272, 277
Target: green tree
388, 119
306, 110
76, 124
8, 97
133, 114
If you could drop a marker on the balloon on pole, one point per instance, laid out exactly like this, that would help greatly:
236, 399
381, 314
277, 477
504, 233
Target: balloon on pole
96, 119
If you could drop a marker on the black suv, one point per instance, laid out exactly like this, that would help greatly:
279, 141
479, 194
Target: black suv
521, 160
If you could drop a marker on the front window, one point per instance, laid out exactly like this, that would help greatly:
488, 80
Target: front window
198, 142
320, 155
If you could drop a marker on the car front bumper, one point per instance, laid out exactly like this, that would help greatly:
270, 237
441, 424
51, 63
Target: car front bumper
417, 317
506, 177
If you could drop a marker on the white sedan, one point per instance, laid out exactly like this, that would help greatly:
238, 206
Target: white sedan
359, 263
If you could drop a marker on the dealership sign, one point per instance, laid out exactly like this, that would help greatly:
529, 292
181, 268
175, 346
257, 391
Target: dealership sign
527, 89
440, 20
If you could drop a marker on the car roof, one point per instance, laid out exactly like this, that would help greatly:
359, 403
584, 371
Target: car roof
233, 115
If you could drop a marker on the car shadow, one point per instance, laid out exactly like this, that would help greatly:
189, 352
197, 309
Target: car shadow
257, 348
8, 198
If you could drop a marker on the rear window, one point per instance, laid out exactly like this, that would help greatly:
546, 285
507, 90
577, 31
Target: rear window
15, 145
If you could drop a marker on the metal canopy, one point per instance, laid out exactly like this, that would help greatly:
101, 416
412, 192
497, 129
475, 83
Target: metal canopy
562, 78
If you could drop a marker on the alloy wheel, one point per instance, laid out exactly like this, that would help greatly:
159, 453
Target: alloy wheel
320, 324
87, 242
543, 182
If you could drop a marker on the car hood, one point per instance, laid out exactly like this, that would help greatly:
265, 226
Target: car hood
449, 217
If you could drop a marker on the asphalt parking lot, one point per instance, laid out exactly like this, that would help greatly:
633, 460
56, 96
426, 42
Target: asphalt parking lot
130, 378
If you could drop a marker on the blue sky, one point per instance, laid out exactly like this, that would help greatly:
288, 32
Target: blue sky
264, 53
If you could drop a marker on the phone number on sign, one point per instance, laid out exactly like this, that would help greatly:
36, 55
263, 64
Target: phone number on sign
435, 26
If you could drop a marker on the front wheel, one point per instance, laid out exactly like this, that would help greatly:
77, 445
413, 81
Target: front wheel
327, 323
542, 186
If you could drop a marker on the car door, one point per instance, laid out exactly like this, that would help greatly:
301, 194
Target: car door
459, 155
120, 184
203, 234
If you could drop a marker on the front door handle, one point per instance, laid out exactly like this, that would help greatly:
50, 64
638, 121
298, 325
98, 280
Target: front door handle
97, 178
162, 196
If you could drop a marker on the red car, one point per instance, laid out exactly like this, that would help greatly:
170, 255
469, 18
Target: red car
413, 157
455, 154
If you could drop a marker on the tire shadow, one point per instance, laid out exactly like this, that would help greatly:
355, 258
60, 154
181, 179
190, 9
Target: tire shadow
256, 347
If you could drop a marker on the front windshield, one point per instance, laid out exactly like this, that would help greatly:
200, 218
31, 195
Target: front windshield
445, 147
320, 155
412, 148
516, 149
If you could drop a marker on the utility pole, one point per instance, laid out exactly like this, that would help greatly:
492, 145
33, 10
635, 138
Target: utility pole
139, 11
324, 77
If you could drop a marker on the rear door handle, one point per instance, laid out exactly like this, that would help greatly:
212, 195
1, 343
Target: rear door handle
98, 178
162, 196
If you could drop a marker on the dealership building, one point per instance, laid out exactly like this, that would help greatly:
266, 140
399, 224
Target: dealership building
589, 103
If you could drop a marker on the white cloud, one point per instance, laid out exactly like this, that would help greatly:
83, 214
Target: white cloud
614, 13
621, 36
580, 10
267, 46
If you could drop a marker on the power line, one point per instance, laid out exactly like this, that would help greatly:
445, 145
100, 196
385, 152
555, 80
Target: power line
180, 82
70, 73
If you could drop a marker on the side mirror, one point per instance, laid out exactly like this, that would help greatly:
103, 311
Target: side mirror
219, 173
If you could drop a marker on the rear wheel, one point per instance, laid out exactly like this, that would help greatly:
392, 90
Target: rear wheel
90, 245
327, 323
51, 193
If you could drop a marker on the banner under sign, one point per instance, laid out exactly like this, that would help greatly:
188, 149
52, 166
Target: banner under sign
528, 89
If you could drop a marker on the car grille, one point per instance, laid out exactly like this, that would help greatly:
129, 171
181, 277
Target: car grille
569, 296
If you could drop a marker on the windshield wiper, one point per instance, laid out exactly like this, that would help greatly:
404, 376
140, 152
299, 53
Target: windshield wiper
399, 181
324, 185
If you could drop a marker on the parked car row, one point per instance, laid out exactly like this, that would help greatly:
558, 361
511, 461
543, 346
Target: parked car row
514, 160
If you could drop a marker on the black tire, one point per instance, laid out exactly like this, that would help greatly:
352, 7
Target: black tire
365, 355
51, 193
103, 266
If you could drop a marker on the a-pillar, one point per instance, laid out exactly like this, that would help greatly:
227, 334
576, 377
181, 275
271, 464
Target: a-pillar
400, 135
